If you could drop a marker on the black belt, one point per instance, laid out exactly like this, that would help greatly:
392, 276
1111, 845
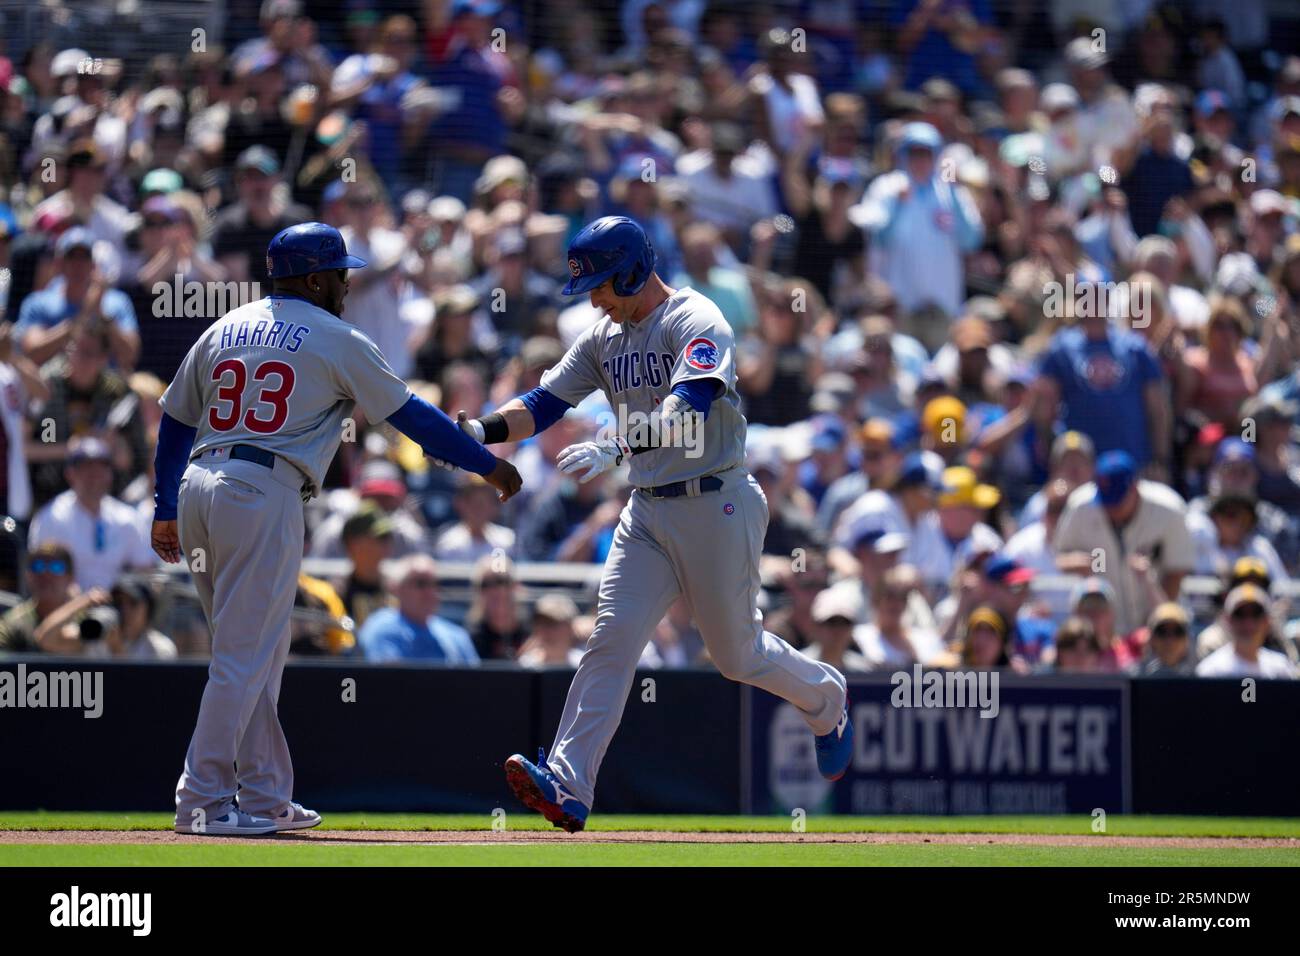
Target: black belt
678, 488
258, 456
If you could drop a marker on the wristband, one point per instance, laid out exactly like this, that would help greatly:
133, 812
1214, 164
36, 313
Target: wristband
495, 429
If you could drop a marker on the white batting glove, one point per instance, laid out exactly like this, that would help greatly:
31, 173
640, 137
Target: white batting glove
471, 427
588, 459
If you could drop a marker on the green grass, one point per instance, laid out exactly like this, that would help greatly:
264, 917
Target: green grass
1116, 825
974, 853
643, 854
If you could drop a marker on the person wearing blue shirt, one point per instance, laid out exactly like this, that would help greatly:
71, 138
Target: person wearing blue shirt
412, 630
77, 297
1110, 386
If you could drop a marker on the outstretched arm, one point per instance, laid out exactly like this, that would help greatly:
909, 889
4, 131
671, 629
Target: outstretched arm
430, 428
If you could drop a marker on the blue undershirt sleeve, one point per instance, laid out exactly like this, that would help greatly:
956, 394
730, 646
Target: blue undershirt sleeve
430, 428
699, 392
546, 408
172, 455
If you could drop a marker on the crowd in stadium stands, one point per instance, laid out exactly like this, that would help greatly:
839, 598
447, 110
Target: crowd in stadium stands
1016, 290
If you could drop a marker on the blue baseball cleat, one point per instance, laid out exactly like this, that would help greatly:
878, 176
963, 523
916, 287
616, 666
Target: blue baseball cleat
539, 789
835, 750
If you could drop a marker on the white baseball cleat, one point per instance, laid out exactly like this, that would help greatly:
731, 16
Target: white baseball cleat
234, 823
296, 817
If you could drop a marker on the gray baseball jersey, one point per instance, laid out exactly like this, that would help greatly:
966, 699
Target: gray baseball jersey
704, 547
637, 367
282, 374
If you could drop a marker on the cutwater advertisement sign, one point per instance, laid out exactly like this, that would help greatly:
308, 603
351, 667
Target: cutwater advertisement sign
952, 742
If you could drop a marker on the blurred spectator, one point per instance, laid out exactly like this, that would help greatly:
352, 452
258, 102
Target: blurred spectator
921, 226
412, 630
1169, 645
773, 367
963, 504
32, 626
379, 482
908, 508
1246, 610
136, 639
940, 39
320, 623
79, 299
84, 203
878, 461
20, 385
1216, 634
1111, 389
377, 84
449, 337
1228, 530
552, 640
986, 641
572, 521
798, 586
107, 536
727, 187
1219, 375
1139, 531
481, 94
889, 641
378, 293
475, 535
522, 300
1072, 460
788, 105
677, 641
1077, 648
242, 231
833, 615
1276, 454
1031, 546
726, 285
494, 619
1095, 601
368, 542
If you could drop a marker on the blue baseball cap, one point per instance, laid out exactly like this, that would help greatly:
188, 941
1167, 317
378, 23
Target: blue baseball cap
880, 540
828, 433
923, 468
920, 135
78, 237
1116, 473
1234, 449
1007, 570
1210, 102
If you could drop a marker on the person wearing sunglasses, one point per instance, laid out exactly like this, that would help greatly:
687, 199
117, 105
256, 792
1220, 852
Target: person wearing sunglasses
1246, 617
1169, 643
38, 624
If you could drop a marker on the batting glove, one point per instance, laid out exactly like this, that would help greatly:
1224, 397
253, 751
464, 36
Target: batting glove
592, 458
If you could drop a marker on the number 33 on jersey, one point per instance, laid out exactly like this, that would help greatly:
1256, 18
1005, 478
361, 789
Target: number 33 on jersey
282, 374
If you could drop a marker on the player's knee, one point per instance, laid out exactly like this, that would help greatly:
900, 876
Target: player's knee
739, 662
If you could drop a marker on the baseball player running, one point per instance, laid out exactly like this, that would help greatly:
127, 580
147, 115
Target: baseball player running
257, 411
694, 525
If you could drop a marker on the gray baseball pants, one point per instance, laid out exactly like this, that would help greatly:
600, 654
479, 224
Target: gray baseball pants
241, 532
705, 547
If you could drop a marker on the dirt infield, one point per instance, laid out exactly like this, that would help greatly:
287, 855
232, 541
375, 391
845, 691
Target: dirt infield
502, 837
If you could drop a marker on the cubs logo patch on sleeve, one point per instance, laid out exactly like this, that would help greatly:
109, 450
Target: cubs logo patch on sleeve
702, 354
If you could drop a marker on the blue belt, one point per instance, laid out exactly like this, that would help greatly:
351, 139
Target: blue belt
258, 456
678, 488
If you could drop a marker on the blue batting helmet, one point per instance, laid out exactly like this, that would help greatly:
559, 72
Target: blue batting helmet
611, 247
308, 247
